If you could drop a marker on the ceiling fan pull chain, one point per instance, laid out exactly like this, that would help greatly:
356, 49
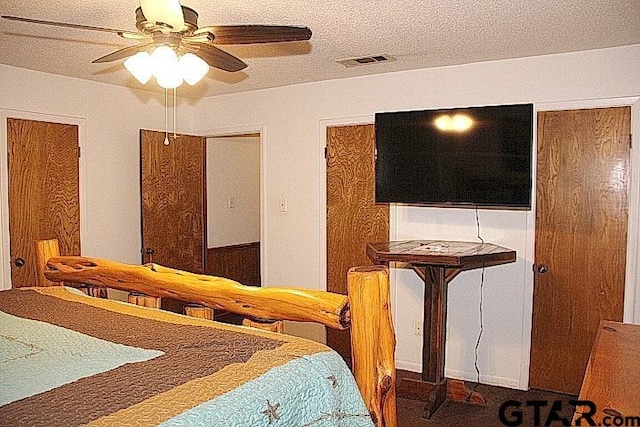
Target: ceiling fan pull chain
175, 111
166, 117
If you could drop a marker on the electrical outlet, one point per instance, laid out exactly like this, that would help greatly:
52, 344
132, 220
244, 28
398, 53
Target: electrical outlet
417, 328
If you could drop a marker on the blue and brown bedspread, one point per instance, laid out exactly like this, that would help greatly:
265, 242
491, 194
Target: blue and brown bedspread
67, 359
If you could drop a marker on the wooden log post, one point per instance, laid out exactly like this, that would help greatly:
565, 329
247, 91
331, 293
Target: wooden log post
199, 311
272, 326
373, 358
143, 300
46, 249
95, 291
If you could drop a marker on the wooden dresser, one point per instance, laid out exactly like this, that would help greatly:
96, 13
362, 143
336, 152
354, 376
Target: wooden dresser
612, 379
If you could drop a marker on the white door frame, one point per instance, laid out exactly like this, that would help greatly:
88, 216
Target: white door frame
5, 241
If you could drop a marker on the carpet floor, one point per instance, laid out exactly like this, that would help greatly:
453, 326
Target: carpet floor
453, 414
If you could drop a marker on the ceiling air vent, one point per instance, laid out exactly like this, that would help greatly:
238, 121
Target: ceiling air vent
365, 60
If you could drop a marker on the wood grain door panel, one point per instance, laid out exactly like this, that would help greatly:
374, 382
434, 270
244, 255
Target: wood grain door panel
44, 199
353, 217
173, 200
581, 236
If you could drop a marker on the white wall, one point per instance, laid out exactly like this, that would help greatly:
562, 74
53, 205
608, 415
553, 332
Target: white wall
294, 120
110, 119
233, 172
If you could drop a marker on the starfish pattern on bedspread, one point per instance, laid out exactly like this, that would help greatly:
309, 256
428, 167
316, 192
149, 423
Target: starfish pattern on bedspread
272, 412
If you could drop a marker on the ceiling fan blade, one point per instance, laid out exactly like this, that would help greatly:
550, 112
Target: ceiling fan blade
246, 34
67, 25
123, 53
215, 57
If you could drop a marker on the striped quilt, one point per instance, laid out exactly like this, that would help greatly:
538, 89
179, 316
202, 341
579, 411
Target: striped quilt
67, 359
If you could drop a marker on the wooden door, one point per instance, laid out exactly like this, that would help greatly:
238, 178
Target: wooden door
44, 200
173, 200
353, 217
581, 239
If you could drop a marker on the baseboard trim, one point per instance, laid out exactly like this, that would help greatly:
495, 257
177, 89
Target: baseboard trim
513, 383
408, 366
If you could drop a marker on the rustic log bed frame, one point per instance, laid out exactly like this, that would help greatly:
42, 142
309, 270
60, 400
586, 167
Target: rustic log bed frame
366, 310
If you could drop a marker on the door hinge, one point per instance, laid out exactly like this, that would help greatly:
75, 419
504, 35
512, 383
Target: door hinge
326, 152
79, 152
630, 140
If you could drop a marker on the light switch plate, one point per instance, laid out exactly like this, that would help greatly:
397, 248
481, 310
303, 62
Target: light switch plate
282, 205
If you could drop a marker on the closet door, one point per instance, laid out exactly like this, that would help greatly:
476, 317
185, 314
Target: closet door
173, 200
353, 217
581, 239
44, 200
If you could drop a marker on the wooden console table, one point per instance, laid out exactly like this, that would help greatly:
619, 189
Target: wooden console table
437, 262
612, 379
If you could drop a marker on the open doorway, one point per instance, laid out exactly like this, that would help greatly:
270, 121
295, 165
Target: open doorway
233, 207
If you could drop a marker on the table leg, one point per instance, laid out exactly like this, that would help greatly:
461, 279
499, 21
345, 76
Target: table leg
435, 318
434, 388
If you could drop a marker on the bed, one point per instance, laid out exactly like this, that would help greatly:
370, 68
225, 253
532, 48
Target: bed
71, 359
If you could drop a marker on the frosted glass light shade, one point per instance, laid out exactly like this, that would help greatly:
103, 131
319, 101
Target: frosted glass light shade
140, 66
165, 11
168, 80
166, 67
163, 57
193, 68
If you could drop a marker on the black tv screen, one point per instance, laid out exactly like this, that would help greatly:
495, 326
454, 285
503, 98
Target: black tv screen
466, 157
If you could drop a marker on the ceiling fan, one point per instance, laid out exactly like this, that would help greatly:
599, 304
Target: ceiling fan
167, 23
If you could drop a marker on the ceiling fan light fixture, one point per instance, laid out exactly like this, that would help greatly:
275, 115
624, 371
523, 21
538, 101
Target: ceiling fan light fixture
192, 68
169, 71
167, 12
140, 66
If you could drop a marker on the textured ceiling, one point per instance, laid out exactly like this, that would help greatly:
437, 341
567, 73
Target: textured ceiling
419, 34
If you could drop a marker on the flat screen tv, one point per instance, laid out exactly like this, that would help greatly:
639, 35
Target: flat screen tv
462, 157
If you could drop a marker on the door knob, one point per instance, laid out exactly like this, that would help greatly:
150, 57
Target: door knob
19, 262
149, 253
542, 268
